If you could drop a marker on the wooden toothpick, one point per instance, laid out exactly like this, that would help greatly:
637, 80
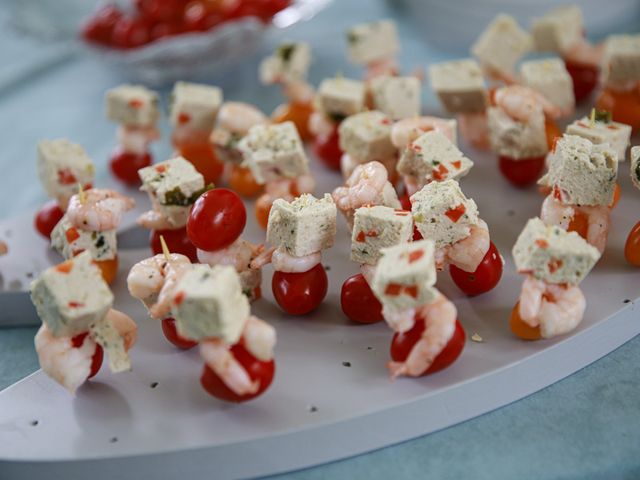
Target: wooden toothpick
592, 118
82, 196
165, 249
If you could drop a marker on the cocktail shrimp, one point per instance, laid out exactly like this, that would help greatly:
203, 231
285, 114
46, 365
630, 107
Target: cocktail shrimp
406, 131
522, 103
467, 253
363, 187
98, 209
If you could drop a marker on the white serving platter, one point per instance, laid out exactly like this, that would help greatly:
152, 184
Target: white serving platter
331, 397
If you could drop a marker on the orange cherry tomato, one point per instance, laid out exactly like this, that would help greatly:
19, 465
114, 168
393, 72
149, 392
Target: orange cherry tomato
579, 224
616, 196
624, 106
263, 207
242, 182
295, 112
204, 159
108, 268
632, 246
552, 131
520, 328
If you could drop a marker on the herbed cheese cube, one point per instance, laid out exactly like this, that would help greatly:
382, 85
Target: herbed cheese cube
551, 78
303, 226
405, 276
635, 166
442, 213
69, 241
501, 45
290, 62
621, 60
459, 85
366, 136
397, 97
132, 105
582, 173
195, 105
552, 254
558, 30
108, 337
516, 140
368, 42
62, 166
603, 131
341, 97
173, 186
378, 227
209, 303
273, 152
71, 296
432, 157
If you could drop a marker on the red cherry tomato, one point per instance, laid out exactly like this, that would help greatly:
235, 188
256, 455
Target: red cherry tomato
98, 355
125, 165
177, 242
160, 10
402, 344
632, 246
216, 219
485, 278
405, 202
358, 301
585, 78
521, 172
166, 29
171, 333
327, 148
47, 218
99, 27
258, 370
417, 236
300, 293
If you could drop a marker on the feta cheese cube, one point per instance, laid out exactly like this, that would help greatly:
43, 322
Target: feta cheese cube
378, 227
516, 140
442, 213
173, 186
582, 173
209, 303
552, 254
501, 45
62, 166
290, 62
459, 85
341, 97
69, 241
105, 334
132, 105
432, 157
195, 105
369, 42
621, 60
397, 97
405, 276
273, 152
558, 30
366, 136
616, 135
228, 133
551, 78
70, 297
635, 166
303, 226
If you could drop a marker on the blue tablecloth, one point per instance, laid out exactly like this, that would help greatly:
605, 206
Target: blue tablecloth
586, 426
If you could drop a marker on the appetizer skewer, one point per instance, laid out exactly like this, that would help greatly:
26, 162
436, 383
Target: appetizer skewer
632, 245
374, 45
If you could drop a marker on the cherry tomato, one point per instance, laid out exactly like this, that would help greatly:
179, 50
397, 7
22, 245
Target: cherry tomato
300, 293
216, 219
171, 333
108, 269
486, 276
47, 218
131, 32
258, 370
263, 207
405, 202
624, 106
552, 131
195, 14
177, 241
632, 246
204, 159
99, 27
98, 355
327, 148
616, 196
579, 224
521, 172
125, 165
417, 236
166, 29
358, 301
242, 182
585, 78
520, 328
160, 10
403, 343
296, 112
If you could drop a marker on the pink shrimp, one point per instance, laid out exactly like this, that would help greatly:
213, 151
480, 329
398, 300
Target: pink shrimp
406, 131
467, 253
522, 103
98, 209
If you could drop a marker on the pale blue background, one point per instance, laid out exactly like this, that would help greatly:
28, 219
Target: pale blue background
587, 426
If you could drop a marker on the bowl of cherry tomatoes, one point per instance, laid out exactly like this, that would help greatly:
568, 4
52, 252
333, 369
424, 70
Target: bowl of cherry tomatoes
157, 42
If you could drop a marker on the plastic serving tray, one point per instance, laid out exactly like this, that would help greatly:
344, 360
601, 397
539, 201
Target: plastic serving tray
331, 397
